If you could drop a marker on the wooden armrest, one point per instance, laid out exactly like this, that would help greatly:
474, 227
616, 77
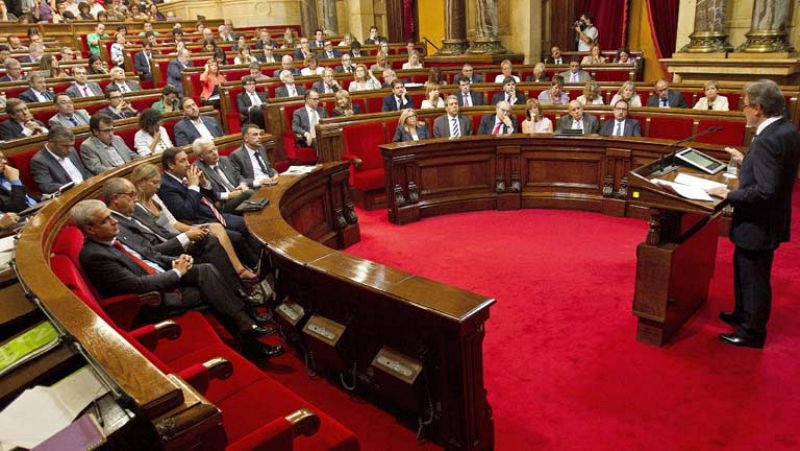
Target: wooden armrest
150, 334
304, 422
279, 434
219, 368
200, 374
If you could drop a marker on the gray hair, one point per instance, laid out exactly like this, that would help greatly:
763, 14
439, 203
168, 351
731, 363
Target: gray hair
199, 145
767, 94
114, 186
450, 97
82, 214
60, 133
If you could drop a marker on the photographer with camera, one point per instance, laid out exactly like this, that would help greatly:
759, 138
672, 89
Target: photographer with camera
585, 32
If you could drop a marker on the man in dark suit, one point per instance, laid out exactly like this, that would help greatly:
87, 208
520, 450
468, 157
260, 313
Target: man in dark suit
229, 191
118, 108
141, 62
249, 103
398, 99
500, 123
174, 69
14, 196
37, 92
510, 93
20, 122
468, 73
328, 84
319, 39
13, 70
555, 56
575, 74
289, 89
193, 125
267, 54
58, 164
303, 51
665, 97
117, 264
621, 125
118, 79
452, 124
466, 97
578, 120
347, 65
374, 38
762, 209
287, 65
67, 115
81, 87
328, 52
251, 161
305, 120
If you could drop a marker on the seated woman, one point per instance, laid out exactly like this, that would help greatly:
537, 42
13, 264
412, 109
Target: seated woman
168, 103
432, 98
381, 63
151, 138
97, 65
344, 105
594, 56
136, 13
505, 71
363, 80
408, 129
84, 12
413, 61
209, 45
534, 121
220, 57
539, 74
289, 41
624, 57
554, 95
49, 67
712, 100
211, 79
627, 92
591, 94
118, 49
435, 76
244, 57
312, 67
147, 180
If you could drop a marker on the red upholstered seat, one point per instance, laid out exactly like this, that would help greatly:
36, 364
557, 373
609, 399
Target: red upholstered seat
732, 133
688, 96
374, 104
362, 141
619, 75
22, 161
368, 179
666, 127
44, 114
127, 134
162, 68
141, 103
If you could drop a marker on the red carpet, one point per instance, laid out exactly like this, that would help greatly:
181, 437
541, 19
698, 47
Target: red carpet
562, 366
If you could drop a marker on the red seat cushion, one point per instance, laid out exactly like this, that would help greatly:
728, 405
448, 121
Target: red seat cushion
732, 133
362, 141
669, 127
22, 161
370, 179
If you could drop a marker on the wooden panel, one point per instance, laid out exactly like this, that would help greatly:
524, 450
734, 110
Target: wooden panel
464, 174
567, 172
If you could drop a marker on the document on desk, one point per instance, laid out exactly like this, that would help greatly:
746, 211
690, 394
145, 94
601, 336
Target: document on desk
689, 192
301, 170
698, 182
40, 412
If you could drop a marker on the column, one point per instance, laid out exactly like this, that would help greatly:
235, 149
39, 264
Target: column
329, 18
709, 33
768, 28
455, 28
486, 40
308, 16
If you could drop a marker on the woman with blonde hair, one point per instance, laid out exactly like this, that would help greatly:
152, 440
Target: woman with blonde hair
432, 98
627, 92
413, 61
244, 56
344, 105
408, 129
594, 56
147, 180
381, 62
363, 80
712, 100
534, 121
539, 74
591, 94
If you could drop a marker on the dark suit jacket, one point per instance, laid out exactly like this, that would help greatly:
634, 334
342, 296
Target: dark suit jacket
521, 99
320, 87
301, 123
184, 203
762, 203
7, 78
240, 160
487, 125
29, 97
590, 123
113, 114
243, 103
186, 133
13, 200
174, 69
475, 78
401, 135
441, 126
217, 185
10, 129
340, 69
632, 128
142, 66
48, 173
323, 55
550, 60
282, 91
390, 103
676, 100
477, 98
153, 244
93, 87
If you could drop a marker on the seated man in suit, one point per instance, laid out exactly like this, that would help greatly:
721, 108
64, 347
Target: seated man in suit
82, 87
500, 123
466, 97
328, 52
287, 65
20, 122
288, 89
37, 92
304, 51
467, 73
104, 150
328, 84
621, 125
305, 120
249, 102
347, 65
374, 38
264, 40
510, 93
665, 97
355, 50
175, 67
578, 120
398, 100
575, 74
229, 190
58, 164
193, 125
67, 115
251, 161
35, 53
117, 264
555, 56
452, 124
14, 195
319, 39
13, 70
118, 79
118, 107
267, 55
141, 62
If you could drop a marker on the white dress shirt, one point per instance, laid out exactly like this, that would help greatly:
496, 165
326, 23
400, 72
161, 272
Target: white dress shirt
73, 172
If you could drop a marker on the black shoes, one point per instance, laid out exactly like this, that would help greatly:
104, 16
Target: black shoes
255, 331
257, 350
259, 317
730, 318
737, 339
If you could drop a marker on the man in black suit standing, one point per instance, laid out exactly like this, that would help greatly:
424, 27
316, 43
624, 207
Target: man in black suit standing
665, 97
621, 125
762, 209
465, 95
229, 190
305, 120
397, 100
249, 102
500, 123
141, 62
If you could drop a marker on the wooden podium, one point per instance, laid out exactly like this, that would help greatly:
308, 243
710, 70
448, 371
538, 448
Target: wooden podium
675, 264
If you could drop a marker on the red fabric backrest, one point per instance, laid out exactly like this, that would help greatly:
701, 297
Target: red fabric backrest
162, 68
362, 141
669, 127
688, 96
144, 102
45, 114
127, 133
103, 83
643, 95
169, 125
361, 103
226, 150
476, 123
22, 161
374, 104
619, 75
94, 107
391, 129
70, 275
732, 133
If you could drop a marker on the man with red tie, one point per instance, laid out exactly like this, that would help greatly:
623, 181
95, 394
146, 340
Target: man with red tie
500, 123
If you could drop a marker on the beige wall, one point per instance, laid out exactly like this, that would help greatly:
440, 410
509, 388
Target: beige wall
270, 12
431, 22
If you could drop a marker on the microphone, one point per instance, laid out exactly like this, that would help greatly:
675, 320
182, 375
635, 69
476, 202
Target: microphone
663, 169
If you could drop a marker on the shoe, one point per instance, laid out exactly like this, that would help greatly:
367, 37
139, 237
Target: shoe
258, 350
730, 318
260, 317
742, 340
247, 276
254, 331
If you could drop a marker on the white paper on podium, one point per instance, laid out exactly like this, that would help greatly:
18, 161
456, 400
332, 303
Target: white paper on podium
698, 182
689, 192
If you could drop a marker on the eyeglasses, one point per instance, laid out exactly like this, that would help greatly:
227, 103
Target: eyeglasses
127, 193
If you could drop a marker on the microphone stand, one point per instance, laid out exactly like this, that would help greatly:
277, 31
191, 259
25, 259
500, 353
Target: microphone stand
663, 169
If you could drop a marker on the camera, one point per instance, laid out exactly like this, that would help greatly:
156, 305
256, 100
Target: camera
580, 23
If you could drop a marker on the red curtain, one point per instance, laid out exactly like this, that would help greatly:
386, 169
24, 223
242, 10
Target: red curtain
409, 20
663, 16
610, 18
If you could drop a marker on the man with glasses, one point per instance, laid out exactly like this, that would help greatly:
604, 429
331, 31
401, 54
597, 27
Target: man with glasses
58, 164
621, 125
20, 123
81, 87
305, 120
665, 97
118, 107
67, 115
13, 70
500, 123
467, 73
104, 150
